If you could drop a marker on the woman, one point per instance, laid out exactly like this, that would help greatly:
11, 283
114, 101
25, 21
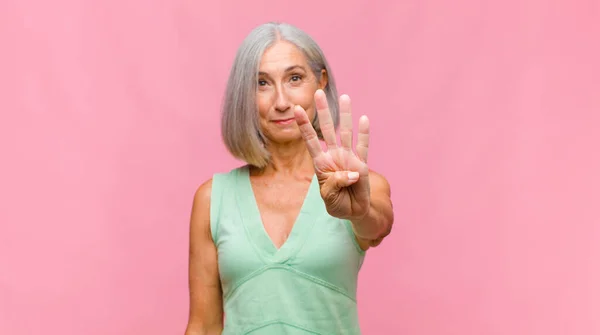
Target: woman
276, 245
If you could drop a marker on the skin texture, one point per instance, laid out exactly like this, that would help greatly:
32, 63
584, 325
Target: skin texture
288, 95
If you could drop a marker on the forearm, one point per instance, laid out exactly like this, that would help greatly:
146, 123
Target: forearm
376, 224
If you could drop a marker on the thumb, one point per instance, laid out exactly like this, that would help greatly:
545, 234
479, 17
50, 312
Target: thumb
342, 179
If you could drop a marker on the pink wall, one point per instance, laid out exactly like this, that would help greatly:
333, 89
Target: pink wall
485, 118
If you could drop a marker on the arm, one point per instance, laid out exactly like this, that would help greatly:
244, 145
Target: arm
377, 223
206, 305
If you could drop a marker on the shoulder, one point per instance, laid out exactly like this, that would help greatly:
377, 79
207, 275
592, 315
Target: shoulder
202, 194
218, 181
207, 201
200, 220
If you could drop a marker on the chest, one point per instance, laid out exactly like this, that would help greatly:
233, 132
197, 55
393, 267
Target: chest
279, 205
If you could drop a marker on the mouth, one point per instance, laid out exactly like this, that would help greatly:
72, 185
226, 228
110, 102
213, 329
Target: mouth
284, 121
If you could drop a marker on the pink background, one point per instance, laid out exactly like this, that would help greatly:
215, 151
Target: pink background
485, 119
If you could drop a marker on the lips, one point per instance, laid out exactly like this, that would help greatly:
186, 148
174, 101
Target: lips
284, 121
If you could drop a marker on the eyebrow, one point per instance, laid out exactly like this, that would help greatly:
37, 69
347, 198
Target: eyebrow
289, 68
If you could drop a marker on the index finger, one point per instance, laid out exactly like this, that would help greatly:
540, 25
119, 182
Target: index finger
308, 132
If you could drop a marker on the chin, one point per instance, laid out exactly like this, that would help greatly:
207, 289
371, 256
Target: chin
286, 136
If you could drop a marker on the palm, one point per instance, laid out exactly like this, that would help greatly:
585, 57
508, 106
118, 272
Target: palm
344, 198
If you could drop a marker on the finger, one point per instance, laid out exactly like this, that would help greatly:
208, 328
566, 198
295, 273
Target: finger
362, 142
345, 122
325, 121
339, 180
308, 132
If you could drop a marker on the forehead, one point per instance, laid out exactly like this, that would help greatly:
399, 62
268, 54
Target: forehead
280, 56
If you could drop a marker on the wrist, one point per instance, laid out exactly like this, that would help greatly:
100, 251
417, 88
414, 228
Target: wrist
361, 218
360, 224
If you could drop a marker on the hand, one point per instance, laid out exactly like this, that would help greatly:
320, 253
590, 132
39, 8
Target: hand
343, 175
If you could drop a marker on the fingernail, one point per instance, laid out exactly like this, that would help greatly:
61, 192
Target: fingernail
353, 175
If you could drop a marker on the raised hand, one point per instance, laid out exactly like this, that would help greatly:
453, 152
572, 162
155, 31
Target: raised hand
343, 174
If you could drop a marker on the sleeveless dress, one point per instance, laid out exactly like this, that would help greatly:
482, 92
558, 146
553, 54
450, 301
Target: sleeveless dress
308, 286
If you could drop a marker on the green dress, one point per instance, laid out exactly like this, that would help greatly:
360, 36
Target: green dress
308, 286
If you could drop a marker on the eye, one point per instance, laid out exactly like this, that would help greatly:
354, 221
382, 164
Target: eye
262, 82
296, 77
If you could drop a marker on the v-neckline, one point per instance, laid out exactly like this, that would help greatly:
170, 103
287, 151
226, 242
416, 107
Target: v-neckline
255, 227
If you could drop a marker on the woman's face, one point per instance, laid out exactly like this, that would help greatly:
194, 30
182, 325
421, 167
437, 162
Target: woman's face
285, 80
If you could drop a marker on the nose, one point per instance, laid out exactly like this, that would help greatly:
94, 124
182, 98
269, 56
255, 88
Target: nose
282, 101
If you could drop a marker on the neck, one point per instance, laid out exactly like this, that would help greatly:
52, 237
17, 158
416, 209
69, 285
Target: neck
290, 159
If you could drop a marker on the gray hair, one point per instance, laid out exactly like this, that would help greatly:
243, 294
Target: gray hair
240, 128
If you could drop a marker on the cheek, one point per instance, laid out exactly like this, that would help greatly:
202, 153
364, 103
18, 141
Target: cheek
308, 103
263, 106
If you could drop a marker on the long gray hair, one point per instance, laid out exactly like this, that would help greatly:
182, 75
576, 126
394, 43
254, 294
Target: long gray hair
240, 128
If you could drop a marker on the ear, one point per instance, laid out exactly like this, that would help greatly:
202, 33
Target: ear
323, 80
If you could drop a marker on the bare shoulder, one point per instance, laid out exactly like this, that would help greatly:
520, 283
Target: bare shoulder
201, 207
202, 194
